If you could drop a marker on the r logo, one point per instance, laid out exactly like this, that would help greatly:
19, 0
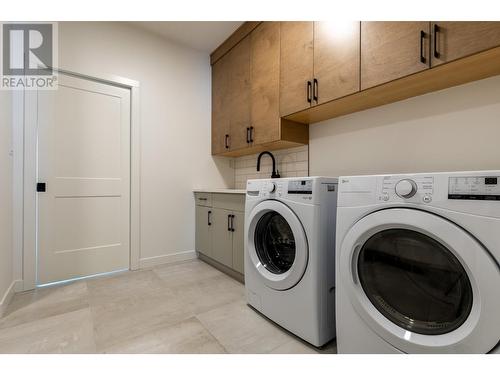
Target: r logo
27, 49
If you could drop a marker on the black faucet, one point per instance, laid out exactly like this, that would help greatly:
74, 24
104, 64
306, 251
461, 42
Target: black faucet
275, 174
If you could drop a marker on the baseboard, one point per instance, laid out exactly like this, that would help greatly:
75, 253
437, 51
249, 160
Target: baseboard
228, 271
14, 287
165, 259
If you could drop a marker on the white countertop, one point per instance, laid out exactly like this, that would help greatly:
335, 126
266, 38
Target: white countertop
221, 191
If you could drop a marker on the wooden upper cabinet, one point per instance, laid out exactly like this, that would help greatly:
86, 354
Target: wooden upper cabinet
220, 101
392, 50
454, 40
239, 92
296, 68
264, 77
336, 59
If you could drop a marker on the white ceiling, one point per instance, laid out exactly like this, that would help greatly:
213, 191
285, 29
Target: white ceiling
203, 36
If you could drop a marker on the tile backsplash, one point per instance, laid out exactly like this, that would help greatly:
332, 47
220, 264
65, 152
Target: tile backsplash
291, 162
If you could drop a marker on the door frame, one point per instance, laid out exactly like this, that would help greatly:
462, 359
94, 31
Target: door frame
25, 155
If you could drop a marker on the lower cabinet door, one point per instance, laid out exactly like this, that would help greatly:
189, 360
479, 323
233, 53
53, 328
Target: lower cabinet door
238, 241
203, 235
222, 237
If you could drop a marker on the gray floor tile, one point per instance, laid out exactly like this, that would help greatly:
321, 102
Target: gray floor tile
241, 330
188, 336
45, 302
66, 333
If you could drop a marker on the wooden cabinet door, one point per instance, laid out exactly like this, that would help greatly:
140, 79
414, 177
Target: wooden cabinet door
336, 59
222, 237
239, 91
220, 105
453, 40
264, 78
391, 50
296, 67
238, 242
203, 236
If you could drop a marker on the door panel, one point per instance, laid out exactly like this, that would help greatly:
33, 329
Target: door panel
391, 50
84, 158
238, 242
220, 105
222, 238
203, 230
265, 70
296, 66
336, 59
459, 39
239, 107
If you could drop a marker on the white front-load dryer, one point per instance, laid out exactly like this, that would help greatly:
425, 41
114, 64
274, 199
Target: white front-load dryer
418, 263
290, 254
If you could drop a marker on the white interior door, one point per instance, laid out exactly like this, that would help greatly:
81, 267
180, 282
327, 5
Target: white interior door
84, 159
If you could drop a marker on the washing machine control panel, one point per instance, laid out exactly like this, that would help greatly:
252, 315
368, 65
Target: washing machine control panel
474, 187
300, 187
415, 189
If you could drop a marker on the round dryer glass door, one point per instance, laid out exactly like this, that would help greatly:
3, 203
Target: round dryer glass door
415, 281
277, 245
421, 282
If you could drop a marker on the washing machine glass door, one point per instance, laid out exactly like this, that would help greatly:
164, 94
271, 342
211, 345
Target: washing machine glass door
277, 245
422, 282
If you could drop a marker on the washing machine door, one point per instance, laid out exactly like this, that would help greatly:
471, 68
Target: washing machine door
277, 244
422, 283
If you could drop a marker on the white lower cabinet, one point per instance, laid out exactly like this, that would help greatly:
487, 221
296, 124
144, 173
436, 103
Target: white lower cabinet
220, 227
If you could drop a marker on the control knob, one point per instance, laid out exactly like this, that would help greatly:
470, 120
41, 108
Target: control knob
406, 188
271, 187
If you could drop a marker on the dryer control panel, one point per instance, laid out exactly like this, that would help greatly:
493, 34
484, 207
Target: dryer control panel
474, 187
416, 189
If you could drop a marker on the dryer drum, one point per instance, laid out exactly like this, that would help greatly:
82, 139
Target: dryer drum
275, 243
415, 281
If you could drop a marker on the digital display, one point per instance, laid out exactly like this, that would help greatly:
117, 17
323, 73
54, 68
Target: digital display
474, 188
300, 187
490, 181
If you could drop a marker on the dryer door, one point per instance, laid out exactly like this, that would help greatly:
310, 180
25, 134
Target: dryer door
277, 245
424, 284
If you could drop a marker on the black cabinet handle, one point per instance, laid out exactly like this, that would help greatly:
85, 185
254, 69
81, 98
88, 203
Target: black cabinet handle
208, 218
315, 90
229, 223
248, 135
309, 93
251, 134
232, 223
41, 187
226, 141
437, 29
423, 60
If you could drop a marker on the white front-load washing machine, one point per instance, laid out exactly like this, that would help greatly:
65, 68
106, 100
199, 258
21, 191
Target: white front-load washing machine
418, 263
290, 254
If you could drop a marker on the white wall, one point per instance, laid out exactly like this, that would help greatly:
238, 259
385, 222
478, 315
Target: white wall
449, 130
5, 193
175, 120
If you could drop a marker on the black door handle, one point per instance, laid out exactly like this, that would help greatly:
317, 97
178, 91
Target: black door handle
423, 60
309, 92
251, 134
248, 135
41, 187
437, 29
232, 223
315, 90
226, 141
229, 223
208, 218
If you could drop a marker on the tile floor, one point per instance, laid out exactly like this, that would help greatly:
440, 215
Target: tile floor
187, 307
